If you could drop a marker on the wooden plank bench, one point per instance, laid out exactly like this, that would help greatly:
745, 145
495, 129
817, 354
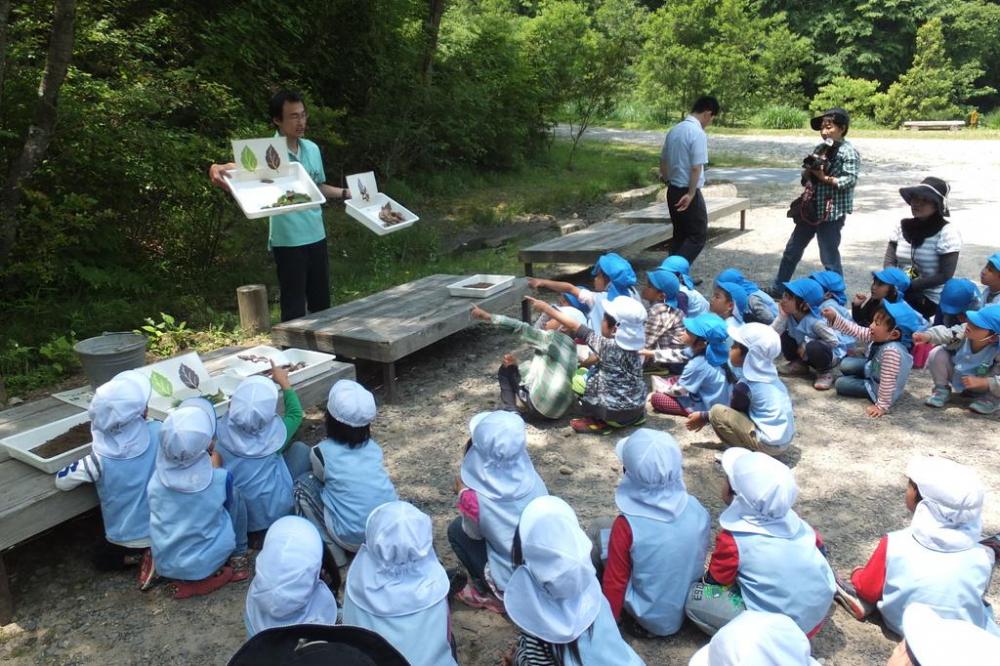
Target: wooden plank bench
391, 324
29, 500
717, 209
918, 125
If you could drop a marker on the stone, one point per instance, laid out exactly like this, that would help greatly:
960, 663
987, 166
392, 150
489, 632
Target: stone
566, 470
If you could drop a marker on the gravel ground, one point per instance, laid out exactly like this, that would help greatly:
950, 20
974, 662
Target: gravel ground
849, 468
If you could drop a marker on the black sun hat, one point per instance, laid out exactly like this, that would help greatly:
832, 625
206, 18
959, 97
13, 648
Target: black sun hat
836, 114
317, 645
932, 189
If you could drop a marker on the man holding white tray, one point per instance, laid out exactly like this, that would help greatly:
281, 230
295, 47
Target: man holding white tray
297, 240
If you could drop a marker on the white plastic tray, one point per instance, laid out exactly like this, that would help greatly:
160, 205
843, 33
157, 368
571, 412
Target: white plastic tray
366, 202
316, 362
19, 446
462, 288
160, 405
252, 191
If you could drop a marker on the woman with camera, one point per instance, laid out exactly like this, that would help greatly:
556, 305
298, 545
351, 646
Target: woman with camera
925, 245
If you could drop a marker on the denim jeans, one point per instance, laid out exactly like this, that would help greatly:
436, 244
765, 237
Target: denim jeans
236, 506
853, 383
827, 237
471, 553
297, 459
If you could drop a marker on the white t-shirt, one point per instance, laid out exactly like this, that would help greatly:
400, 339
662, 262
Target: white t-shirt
926, 259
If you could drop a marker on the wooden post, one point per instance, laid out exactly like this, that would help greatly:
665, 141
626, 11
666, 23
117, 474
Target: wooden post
6, 599
255, 314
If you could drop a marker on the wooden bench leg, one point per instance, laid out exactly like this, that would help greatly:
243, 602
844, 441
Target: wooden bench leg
743, 220
525, 308
6, 600
389, 381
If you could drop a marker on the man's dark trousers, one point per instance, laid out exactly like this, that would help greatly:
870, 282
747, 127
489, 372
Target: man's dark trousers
690, 225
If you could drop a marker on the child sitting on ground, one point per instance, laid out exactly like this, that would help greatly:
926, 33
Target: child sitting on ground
888, 284
564, 300
496, 482
880, 376
120, 465
665, 321
990, 277
349, 478
286, 588
648, 557
706, 378
197, 519
613, 277
729, 300
680, 267
966, 359
554, 598
772, 557
937, 560
251, 437
545, 388
758, 638
933, 639
397, 588
761, 308
616, 393
957, 296
759, 416
807, 341
835, 296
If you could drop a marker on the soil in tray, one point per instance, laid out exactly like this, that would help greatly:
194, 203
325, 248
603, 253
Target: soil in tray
69, 440
481, 285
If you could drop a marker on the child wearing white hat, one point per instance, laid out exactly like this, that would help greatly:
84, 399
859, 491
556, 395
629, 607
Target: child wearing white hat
397, 587
938, 560
197, 519
656, 547
932, 640
764, 548
554, 597
348, 478
616, 392
121, 462
286, 588
496, 482
759, 415
757, 638
251, 438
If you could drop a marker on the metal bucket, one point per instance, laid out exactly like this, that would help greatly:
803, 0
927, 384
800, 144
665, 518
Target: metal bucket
106, 355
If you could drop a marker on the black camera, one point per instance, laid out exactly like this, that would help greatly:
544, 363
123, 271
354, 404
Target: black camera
820, 158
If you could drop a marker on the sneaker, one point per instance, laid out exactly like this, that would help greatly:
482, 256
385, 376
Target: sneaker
240, 564
824, 381
793, 368
147, 571
848, 598
590, 426
985, 405
473, 598
939, 397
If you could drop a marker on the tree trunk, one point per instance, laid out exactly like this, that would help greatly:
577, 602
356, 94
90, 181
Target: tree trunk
432, 26
43, 122
4, 16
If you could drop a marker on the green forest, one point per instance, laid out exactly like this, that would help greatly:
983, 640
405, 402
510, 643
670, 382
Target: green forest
111, 112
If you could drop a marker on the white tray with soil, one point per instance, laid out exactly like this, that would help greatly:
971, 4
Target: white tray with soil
376, 210
52, 446
480, 285
301, 364
268, 183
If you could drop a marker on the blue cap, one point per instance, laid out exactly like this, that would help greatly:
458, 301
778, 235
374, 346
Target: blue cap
666, 282
738, 296
908, 320
833, 283
734, 275
988, 318
957, 296
619, 273
576, 302
895, 277
994, 259
808, 290
677, 264
711, 328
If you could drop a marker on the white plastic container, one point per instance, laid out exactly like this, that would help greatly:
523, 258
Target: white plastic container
19, 446
366, 202
256, 191
465, 289
170, 389
316, 362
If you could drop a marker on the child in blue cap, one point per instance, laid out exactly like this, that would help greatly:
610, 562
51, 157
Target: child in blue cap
705, 381
807, 341
761, 308
729, 301
957, 296
681, 267
887, 284
613, 277
880, 376
966, 360
990, 277
664, 321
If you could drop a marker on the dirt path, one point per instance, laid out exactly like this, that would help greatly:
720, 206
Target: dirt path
849, 468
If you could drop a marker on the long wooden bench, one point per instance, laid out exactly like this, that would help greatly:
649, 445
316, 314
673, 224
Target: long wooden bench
717, 209
29, 500
918, 125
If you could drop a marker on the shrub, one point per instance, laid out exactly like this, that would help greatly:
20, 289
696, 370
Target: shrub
990, 120
856, 96
779, 116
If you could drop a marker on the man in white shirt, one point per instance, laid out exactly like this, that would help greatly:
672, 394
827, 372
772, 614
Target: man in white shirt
682, 168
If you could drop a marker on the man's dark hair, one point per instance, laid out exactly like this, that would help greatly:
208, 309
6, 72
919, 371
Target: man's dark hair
276, 107
706, 103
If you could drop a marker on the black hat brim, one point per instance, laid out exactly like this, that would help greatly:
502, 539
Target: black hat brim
316, 645
923, 192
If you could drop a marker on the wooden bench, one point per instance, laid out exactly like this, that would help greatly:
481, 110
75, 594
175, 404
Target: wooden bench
29, 500
717, 209
391, 324
918, 125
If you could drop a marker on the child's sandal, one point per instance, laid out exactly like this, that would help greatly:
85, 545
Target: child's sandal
184, 589
590, 426
240, 564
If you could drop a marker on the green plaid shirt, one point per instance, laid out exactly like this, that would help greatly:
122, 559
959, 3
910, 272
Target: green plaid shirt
835, 201
549, 375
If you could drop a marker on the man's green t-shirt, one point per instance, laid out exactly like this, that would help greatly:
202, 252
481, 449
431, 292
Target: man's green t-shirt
305, 226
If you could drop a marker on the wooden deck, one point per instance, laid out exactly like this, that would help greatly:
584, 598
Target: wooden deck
29, 500
717, 209
391, 324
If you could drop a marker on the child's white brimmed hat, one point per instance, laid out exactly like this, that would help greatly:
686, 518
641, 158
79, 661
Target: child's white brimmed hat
117, 422
351, 403
765, 492
182, 460
653, 484
631, 317
497, 464
936, 641
756, 637
252, 428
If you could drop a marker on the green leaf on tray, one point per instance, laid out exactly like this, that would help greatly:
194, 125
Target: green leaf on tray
161, 384
248, 159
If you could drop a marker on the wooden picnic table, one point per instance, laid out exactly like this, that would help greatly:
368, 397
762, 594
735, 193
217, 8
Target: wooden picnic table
391, 324
717, 208
29, 500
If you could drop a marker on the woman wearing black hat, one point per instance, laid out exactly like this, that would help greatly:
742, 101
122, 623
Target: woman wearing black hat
925, 245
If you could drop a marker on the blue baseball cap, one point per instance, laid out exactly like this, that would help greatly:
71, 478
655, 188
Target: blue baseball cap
738, 295
618, 271
808, 290
711, 328
908, 320
957, 295
675, 263
895, 277
832, 282
988, 318
734, 275
576, 302
994, 259
666, 282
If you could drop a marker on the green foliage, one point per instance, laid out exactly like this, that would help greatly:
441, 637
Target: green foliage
779, 116
991, 120
856, 96
166, 337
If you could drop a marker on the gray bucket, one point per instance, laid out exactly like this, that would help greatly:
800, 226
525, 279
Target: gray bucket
106, 355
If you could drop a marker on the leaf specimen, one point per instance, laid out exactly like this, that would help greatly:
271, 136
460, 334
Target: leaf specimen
248, 159
272, 158
161, 384
188, 377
